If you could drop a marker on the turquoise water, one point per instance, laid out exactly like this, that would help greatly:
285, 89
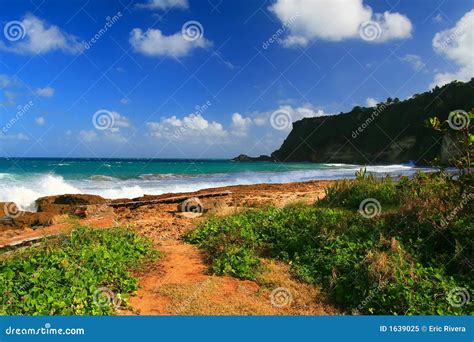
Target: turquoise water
135, 168
25, 180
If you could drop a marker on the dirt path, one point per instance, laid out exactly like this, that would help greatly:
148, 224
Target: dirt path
179, 285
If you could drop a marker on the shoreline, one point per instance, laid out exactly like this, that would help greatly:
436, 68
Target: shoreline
56, 210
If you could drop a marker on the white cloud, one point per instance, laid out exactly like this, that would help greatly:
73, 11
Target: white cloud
88, 136
457, 45
40, 38
19, 136
295, 113
7, 81
8, 98
438, 18
164, 4
45, 92
120, 121
154, 43
240, 125
192, 128
415, 61
40, 121
336, 20
371, 102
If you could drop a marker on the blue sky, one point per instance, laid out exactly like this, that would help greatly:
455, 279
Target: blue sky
124, 79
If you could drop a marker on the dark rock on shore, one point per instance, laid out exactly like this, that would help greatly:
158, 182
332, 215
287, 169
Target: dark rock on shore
244, 157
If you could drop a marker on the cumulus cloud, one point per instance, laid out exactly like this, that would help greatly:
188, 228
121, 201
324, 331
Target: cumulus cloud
240, 125
336, 20
7, 81
88, 136
415, 61
39, 37
193, 128
293, 113
19, 136
119, 121
45, 92
154, 43
40, 121
457, 45
371, 102
164, 4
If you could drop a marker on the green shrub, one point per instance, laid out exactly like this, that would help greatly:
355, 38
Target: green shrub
350, 193
65, 275
404, 261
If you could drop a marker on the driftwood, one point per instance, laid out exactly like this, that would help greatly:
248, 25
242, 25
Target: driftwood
173, 199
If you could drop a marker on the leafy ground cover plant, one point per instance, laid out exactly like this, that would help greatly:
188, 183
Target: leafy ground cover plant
85, 272
414, 257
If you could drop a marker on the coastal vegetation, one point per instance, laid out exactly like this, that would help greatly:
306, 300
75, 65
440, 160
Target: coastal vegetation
394, 131
85, 272
374, 246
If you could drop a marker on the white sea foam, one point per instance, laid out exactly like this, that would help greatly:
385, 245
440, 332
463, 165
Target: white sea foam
26, 189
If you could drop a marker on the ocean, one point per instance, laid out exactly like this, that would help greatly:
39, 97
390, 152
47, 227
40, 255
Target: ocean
23, 180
